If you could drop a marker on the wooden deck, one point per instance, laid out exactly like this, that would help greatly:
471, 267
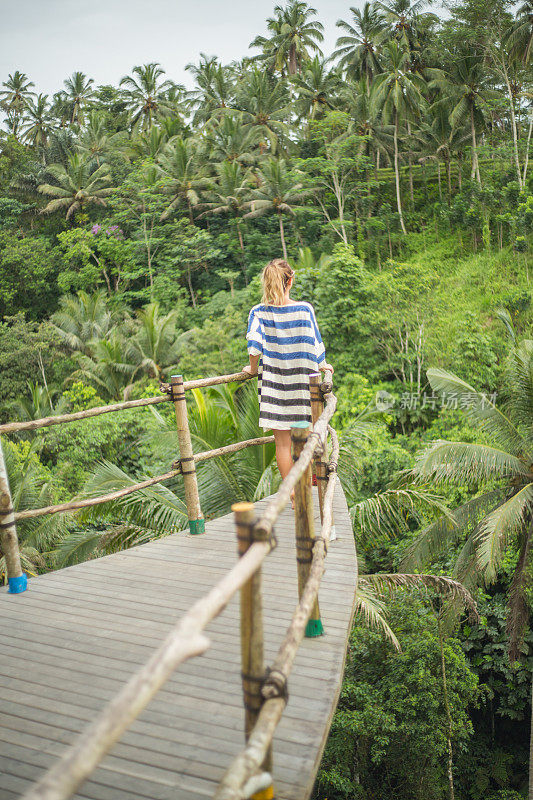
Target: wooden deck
70, 642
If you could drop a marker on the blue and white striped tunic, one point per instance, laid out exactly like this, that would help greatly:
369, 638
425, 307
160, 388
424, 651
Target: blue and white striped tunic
290, 347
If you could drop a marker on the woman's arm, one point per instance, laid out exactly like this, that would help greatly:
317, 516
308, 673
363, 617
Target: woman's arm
320, 350
251, 368
254, 341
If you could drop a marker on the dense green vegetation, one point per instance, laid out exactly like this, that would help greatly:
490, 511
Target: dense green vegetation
395, 176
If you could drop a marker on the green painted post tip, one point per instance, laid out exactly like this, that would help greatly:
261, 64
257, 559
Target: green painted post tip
197, 526
314, 628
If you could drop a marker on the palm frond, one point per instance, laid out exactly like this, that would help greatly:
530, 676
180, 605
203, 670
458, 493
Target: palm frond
456, 463
480, 408
495, 530
156, 508
442, 585
387, 513
446, 530
371, 611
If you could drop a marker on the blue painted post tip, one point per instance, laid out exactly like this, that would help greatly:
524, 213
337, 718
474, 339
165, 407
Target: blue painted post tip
18, 584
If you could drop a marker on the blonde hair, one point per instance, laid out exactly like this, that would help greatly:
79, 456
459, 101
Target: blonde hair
275, 279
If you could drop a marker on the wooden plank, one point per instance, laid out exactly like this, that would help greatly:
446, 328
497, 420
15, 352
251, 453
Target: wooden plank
82, 631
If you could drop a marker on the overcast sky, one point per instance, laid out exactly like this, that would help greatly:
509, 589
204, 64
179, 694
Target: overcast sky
50, 39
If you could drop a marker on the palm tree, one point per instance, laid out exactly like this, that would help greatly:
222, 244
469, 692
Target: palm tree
520, 35
498, 469
265, 106
229, 195
184, 179
228, 139
358, 50
508, 66
294, 35
270, 57
466, 86
279, 192
95, 142
397, 93
37, 124
14, 97
365, 122
60, 109
78, 92
81, 318
148, 144
145, 95
76, 186
215, 89
111, 366
155, 343
316, 89
404, 17
42, 401
438, 140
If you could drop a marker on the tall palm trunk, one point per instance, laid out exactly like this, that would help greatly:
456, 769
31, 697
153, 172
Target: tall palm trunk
527, 147
411, 189
282, 235
530, 787
475, 163
513, 124
241, 244
292, 60
397, 173
448, 177
448, 715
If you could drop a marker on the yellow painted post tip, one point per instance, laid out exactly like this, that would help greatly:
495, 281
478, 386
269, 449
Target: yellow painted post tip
243, 506
264, 794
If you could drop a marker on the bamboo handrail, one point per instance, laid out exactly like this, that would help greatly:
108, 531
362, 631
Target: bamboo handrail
45, 422
76, 505
250, 759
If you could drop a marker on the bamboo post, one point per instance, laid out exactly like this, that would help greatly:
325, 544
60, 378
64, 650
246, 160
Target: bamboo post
188, 469
305, 530
17, 580
317, 407
252, 647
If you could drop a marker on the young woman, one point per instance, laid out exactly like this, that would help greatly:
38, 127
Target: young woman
285, 347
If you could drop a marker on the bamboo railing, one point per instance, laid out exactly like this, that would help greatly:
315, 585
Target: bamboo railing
264, 690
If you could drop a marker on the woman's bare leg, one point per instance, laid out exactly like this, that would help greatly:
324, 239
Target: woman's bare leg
283, 452
284, 455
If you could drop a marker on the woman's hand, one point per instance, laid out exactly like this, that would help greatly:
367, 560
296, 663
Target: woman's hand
249, 370
327, 384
